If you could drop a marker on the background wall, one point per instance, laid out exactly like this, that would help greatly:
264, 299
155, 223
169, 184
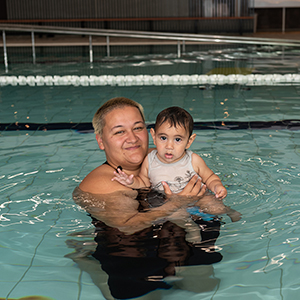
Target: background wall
188, 15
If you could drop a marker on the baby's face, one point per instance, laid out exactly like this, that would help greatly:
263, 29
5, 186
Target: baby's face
171, 142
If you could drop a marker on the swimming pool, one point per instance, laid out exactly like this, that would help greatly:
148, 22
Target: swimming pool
43, 159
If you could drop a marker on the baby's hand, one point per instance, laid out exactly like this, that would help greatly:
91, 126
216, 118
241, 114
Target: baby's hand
123, 178
220, 192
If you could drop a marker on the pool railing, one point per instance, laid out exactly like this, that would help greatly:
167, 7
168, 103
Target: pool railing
179, 38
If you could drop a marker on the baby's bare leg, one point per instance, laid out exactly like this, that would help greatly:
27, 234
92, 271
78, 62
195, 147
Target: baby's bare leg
211, 205
183, 219
192, 229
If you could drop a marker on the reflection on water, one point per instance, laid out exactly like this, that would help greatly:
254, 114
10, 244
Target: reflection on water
196, 60
156, 257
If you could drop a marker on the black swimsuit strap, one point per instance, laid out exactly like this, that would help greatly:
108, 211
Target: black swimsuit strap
118, 167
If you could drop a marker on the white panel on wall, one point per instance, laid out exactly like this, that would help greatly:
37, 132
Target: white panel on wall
276, 3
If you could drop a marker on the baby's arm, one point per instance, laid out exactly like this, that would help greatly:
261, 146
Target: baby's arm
212, 181
131, 181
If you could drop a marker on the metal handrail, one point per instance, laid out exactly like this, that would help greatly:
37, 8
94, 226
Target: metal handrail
149, 35
179, 37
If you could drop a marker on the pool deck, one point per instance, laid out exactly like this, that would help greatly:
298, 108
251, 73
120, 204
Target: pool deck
69, 40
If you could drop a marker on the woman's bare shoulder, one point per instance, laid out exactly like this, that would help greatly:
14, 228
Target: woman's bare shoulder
99, 181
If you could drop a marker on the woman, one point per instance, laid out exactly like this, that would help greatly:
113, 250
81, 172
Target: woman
121, 132
138, 263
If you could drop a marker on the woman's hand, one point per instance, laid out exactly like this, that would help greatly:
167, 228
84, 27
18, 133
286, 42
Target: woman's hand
193, 188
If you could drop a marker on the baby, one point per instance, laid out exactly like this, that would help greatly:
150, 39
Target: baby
172, 163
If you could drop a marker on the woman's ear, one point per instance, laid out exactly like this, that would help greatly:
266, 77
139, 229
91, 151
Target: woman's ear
191, 139
99, 141
153, 135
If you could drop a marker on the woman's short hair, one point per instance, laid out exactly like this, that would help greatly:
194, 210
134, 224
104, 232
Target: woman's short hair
118, 102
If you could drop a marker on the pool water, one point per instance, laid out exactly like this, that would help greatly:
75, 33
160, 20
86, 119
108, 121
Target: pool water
41, 168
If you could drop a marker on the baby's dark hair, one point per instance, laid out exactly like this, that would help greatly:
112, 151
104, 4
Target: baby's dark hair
175, 116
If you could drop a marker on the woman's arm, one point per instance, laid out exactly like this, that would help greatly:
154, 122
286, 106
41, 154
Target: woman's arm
120, 209
116, 205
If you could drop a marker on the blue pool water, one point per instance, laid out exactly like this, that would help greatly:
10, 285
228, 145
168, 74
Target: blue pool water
41, 168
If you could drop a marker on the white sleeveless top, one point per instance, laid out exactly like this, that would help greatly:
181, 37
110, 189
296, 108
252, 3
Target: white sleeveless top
177, 174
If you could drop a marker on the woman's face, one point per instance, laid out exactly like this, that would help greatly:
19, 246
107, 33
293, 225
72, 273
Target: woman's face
124, 138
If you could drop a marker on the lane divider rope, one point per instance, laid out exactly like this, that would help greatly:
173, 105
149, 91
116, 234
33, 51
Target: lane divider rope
139, 80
